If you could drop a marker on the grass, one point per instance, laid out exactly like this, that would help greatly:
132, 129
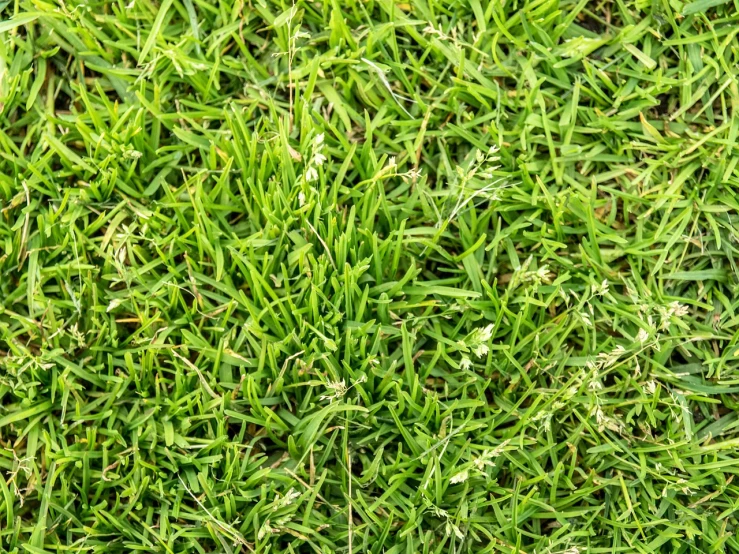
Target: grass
369, 276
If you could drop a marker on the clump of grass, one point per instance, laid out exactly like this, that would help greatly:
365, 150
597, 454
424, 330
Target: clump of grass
368, 276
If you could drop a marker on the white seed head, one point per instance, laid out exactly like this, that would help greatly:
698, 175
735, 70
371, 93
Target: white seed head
311, 174
481, 350
319, 159
486, 333
336, 389
460, 477
601, 289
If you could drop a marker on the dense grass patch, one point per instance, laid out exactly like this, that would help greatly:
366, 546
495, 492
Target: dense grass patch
369, 276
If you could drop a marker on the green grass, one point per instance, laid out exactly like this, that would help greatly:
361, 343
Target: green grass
363, 276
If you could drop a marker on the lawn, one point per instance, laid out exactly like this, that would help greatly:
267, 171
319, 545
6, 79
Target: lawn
369, 276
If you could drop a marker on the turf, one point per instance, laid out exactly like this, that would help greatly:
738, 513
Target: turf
352, 276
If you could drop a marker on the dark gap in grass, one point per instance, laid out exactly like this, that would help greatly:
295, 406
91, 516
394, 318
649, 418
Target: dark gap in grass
590, 23
666, 105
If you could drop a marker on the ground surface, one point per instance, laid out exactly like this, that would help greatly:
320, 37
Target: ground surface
356, 276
